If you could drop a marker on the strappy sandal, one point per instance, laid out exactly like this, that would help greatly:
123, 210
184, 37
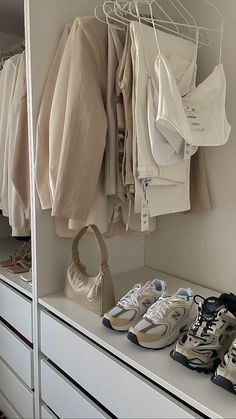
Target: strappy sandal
19, 254
27, 277
21, 266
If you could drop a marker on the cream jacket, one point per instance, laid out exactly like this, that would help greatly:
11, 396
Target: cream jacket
8, 78
16, 194
42, 138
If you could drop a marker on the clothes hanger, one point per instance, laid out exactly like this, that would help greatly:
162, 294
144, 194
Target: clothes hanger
118, 10
125, 7
172, 2
180, 23
114, 11
161, 21
150, 2
108, 12
122, 7
147, 19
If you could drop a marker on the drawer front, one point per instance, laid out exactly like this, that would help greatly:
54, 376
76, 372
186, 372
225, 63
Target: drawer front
46, 413
66, 400
7, 408
117, 387
16, 354
16, 392
16, 310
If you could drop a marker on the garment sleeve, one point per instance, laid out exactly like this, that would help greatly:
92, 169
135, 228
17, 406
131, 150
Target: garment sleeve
42, 136
18, 143
85, 127
20, 163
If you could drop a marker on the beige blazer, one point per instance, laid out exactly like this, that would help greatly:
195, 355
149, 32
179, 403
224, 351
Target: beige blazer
83, 136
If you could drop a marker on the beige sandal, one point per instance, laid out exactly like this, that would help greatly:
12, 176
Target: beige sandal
18, 255
21, 266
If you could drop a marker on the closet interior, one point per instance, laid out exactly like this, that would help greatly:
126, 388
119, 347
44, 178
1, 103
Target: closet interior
56, 357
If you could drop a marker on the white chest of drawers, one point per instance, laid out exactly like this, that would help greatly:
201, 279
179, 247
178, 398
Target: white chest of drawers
121, 390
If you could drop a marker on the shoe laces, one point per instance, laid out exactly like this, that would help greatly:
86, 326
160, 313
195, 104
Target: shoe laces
131, 298
159, 309
207, 319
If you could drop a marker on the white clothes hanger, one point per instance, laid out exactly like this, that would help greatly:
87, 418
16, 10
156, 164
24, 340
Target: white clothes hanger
115, 12
148, 2
110, 15
118, 9
172, 2
191, 26
156, 22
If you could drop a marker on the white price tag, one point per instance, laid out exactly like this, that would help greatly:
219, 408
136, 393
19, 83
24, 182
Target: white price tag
144, 216
193, 118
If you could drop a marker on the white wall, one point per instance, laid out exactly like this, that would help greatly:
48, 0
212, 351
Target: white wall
7, 40
202, 247
12, 16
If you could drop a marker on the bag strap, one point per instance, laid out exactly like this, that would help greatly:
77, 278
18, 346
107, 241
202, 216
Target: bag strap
100, 243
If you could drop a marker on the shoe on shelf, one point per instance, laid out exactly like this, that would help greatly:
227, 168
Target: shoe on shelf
27, 276
165, 320
225, 375
22, 265
133, 305
210, 336
19, 254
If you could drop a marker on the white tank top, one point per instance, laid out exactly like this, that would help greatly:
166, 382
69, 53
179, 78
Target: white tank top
199, 117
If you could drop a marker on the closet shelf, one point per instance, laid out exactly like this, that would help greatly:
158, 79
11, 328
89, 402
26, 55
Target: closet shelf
8, 246
193, 388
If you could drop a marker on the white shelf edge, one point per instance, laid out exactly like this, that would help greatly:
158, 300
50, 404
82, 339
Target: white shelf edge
56, 304
16, 282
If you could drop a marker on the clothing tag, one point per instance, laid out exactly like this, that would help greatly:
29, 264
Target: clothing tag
144, 216
193, 118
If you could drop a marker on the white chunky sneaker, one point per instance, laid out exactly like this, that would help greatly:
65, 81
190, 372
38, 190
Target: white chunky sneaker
165, 320
133, 305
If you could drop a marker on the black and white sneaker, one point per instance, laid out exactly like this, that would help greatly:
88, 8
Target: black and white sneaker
202, 348
225, 375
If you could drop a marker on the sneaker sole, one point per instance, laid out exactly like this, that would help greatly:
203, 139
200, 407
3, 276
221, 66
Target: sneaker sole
133, 338
224, 383
106, 322
182, 359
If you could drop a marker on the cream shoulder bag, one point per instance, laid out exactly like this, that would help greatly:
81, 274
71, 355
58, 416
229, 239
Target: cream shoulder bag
94, 292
